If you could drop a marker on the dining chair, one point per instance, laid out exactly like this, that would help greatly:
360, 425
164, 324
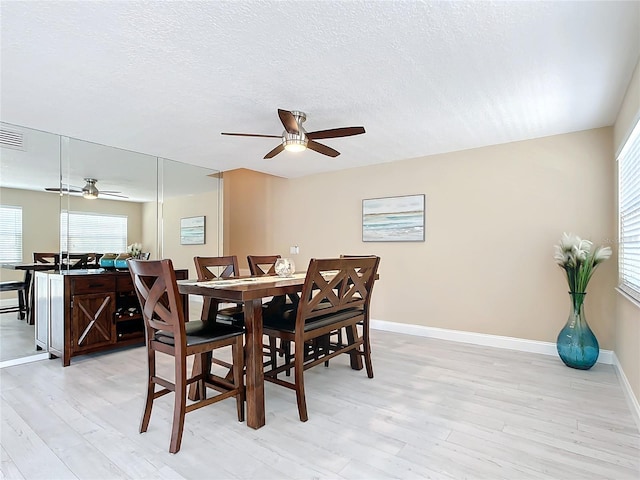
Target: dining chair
167, 332
21, 288
261, 265
209, 268
46, 257
336, 294
76, 261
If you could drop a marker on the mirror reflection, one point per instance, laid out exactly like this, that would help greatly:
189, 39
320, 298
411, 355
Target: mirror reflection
76, 200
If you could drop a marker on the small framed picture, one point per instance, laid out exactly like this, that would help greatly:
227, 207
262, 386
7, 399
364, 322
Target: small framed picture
192, 231
394, 219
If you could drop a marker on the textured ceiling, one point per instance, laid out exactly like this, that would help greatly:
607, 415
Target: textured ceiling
165, 78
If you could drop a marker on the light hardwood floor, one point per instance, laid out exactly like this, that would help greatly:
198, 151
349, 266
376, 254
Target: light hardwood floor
17, 338
435, 409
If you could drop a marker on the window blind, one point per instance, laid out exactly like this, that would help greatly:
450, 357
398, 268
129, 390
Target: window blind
629, 214
10, 233
92, 232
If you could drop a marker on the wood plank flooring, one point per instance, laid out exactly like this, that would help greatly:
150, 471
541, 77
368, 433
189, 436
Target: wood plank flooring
435, 409
17, 338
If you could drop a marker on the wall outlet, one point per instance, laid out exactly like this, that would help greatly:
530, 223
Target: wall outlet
294, 250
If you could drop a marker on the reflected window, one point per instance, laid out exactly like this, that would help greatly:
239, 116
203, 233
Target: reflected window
93, 232
10, 233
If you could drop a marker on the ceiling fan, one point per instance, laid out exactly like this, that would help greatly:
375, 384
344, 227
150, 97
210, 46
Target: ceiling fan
89, 191
295, 138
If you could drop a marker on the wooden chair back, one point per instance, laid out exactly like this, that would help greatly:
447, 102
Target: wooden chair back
76, 261
208, 268
160, 302
46, 257
261, 265
335, 285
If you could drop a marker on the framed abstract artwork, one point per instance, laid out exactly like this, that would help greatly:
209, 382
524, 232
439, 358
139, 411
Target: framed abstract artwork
394, 219
192, 231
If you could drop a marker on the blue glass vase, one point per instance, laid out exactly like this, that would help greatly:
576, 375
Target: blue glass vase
577, 345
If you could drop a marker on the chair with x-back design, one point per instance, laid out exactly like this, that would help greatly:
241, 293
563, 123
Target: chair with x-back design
166, 332
336, 294
210, 268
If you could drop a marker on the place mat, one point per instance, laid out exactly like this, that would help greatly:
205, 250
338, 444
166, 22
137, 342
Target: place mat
227, 282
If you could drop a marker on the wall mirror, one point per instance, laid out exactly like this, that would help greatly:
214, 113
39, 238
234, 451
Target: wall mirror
44, 174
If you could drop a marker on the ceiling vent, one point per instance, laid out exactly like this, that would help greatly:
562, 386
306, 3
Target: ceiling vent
10, 139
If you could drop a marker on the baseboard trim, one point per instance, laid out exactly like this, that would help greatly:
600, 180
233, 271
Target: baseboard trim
6, 302
483, 339
20, 361
631, 398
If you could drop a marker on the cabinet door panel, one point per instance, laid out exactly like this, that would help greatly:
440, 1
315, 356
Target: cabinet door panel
92, 320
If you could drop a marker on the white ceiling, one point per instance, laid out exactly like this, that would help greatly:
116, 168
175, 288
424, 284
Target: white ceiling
165, 78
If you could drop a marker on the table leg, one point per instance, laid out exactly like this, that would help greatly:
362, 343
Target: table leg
253, 361
29, 295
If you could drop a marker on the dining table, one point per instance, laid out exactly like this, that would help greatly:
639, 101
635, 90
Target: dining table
29, 269
250, 292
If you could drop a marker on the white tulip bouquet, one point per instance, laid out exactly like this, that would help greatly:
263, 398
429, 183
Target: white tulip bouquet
135, 249
579, 260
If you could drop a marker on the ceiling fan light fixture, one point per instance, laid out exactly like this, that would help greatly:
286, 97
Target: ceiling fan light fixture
90, 191
294, 143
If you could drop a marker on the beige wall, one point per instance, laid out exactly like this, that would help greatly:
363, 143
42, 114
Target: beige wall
247, 207
493, 216
627, 338
173, 210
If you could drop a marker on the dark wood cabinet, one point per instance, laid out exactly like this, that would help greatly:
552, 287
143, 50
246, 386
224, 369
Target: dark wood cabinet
92, 322
89, 311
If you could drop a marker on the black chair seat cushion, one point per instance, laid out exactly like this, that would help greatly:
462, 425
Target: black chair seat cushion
235, 315
12, 286
286, 321
199, 332
230, 316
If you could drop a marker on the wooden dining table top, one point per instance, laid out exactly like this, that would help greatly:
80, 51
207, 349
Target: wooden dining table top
27, 266
239, 289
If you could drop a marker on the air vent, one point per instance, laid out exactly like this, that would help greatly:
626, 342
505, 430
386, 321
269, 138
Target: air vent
9, 139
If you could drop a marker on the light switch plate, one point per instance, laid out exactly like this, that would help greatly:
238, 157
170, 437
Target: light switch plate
294, 250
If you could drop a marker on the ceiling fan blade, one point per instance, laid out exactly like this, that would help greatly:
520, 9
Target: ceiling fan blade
110, 191
64, 189
323, 149
289, 121
252, 135
275, 151
112, 194
335, 132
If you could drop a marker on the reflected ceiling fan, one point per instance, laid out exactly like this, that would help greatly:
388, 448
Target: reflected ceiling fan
296, 139
89, 191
